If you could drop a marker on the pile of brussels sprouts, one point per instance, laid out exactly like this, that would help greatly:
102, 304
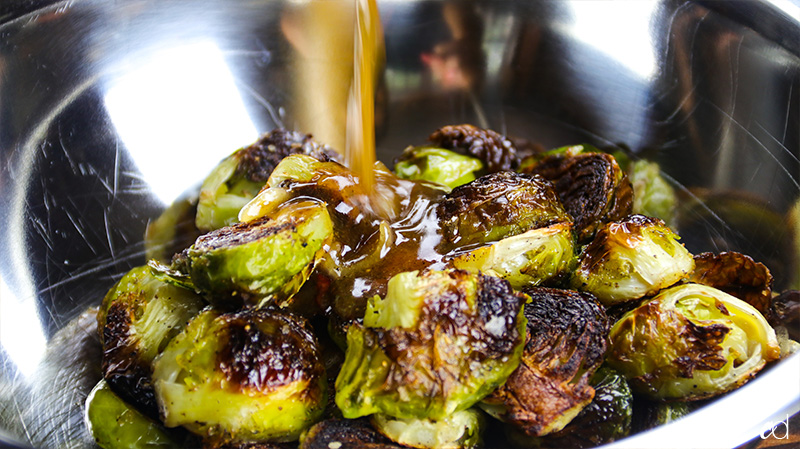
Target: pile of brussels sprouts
479, 295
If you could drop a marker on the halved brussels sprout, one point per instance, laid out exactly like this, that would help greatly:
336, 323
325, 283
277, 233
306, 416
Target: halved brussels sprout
136, 320
566, 343
116, 425
539, 256
438, 343
736, 274
630, 259
254, 375
606, 419
240, 176
437, 165
495, 151
345, 434
259, 262
691, 342
459, 430
498, 205
592, 187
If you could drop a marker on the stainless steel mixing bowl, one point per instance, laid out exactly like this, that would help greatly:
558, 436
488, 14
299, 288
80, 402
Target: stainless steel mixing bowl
110, 109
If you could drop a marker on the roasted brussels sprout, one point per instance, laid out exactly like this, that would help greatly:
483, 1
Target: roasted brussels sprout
240, 176
459, 430
498, 205
437, 165
606, 419
630, 259
116, 425
253, 375
436, 344
652, 194
345, 434
172, 231
139, 315
258, 262
736, 274
566, 343
691, 342
495, 151
536, 257
592, 187
785, 312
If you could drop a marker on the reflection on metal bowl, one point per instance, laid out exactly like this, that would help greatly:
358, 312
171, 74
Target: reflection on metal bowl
110, 110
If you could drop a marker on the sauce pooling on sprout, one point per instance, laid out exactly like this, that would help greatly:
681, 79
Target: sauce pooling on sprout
392, 229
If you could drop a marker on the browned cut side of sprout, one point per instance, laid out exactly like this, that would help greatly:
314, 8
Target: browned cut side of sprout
566, 343
736, 274
592, 187
496, 151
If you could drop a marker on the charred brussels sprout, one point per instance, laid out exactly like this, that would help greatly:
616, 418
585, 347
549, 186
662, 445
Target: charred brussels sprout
535, 257
240, 176
263, 261
116, 425
136, 320
566, 344
437, 165
253, 375
736, 274
606, 419
459, 430
495, 151
691, 342
498, 205
592, 187
345, 434
630, 259
436, 344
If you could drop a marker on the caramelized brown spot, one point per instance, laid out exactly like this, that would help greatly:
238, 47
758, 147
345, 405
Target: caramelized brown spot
125, 372
240, 234
265, 350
